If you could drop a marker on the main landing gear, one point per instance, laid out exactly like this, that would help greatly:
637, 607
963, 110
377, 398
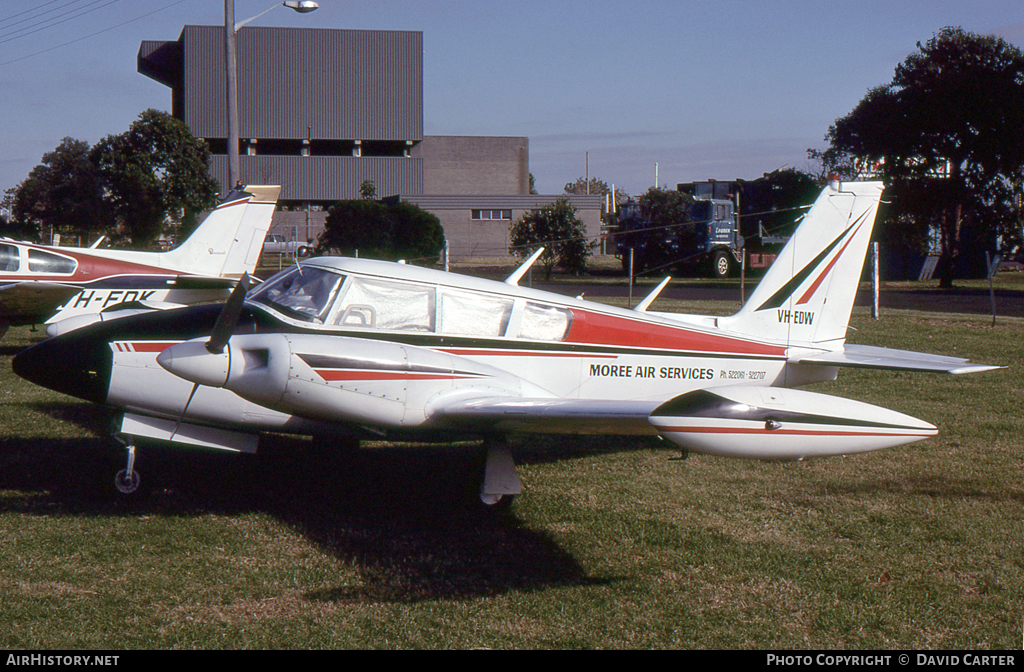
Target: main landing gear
500, 482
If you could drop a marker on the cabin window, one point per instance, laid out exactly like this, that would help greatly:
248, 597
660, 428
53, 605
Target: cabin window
544, 323
382, 304
471, 314
304, 293
9, 262
45, 262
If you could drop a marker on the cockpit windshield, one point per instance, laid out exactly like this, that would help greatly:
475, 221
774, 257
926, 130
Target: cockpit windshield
303, 292
340, 302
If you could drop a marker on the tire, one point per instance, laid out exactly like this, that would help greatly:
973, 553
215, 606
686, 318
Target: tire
720, 265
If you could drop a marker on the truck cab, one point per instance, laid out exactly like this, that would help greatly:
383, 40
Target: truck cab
708, 241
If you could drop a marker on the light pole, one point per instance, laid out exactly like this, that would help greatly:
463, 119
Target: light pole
231, 63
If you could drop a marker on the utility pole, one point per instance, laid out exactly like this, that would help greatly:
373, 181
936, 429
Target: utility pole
231, 63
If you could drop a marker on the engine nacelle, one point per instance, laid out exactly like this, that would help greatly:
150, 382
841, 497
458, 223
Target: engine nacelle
770, 423
337, 379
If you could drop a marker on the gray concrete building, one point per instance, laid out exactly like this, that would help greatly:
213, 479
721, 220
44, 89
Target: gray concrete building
322, 111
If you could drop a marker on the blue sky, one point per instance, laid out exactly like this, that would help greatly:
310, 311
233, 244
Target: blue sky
725, 89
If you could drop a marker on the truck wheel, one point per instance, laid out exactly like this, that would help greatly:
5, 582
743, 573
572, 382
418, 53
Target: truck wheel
720, 264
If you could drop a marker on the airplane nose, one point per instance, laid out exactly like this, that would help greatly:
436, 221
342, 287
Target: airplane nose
76, 364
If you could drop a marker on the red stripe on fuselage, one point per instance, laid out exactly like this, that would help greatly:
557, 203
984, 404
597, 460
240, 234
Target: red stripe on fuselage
369, 375
148, 346
511, 352
594, 328
90, 268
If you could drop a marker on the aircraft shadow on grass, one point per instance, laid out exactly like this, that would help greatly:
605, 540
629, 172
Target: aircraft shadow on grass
407, 517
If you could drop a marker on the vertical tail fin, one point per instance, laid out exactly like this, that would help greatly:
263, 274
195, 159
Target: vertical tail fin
229, 241
807, 295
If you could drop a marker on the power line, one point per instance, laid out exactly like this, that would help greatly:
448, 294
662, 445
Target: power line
86, 37
33, 9
11, 30
55, 21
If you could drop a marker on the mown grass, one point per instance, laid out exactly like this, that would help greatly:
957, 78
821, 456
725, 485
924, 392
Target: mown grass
614, 544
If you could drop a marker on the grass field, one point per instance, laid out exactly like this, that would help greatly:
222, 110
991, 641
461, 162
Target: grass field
614, 544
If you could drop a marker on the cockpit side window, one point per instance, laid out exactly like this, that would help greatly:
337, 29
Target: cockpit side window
48, 263
9, 262
382, 304
473, 314
544, 323
305, 293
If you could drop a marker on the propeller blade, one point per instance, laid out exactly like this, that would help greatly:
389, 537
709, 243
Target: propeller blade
228, 317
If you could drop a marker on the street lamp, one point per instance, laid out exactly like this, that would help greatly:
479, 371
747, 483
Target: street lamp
231, 62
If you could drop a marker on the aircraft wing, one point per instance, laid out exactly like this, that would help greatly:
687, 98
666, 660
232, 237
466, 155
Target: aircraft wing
582, 416
29, 300
872, 357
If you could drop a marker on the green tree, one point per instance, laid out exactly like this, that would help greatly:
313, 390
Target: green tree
155, 173
773, 201
591, 187
945, 137
560, 231
367, 189
63, 194
594, 187
650, 228
381, 230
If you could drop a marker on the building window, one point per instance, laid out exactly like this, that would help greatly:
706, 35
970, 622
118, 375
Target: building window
492, 214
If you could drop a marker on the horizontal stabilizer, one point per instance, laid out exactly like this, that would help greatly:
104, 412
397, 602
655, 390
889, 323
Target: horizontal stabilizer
872, 357
203, 282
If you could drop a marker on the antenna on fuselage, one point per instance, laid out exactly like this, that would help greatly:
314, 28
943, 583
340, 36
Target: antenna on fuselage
649, 299
521, 271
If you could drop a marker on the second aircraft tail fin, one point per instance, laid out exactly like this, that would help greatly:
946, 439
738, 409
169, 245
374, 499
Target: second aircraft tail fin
229, 241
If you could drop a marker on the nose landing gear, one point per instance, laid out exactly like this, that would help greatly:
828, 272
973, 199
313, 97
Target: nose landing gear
127, 481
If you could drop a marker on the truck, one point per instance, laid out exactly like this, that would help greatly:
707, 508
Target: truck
707, 240
276, 243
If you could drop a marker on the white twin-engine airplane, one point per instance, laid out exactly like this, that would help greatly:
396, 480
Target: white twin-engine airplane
362, 349
49, 284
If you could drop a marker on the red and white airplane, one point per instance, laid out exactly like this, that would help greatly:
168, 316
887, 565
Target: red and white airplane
48, 284
361, 348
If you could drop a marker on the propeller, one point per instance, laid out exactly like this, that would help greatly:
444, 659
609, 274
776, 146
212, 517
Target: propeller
219, 336
228, 317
